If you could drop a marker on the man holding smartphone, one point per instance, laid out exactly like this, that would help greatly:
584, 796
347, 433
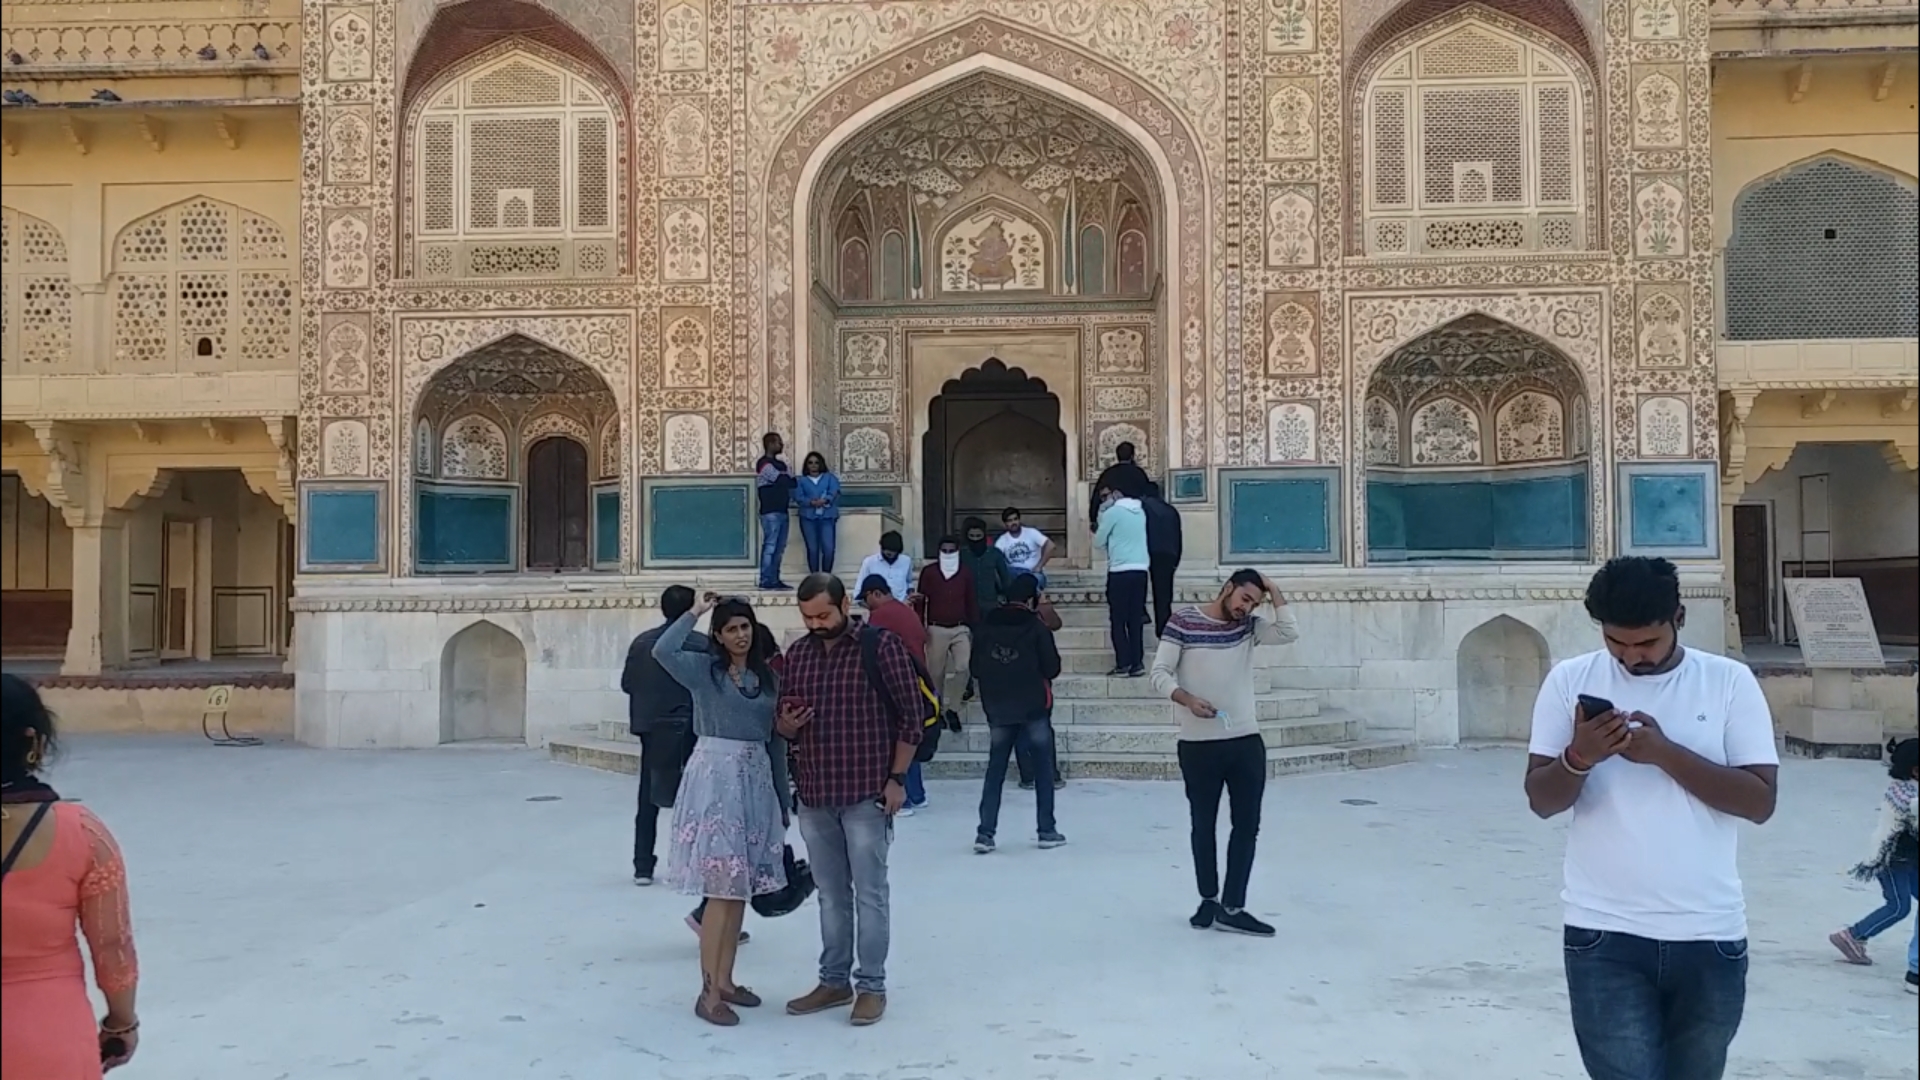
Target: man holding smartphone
1659, 751
1205, 665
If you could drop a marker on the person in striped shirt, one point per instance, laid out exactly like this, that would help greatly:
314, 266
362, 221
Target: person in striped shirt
1205, 665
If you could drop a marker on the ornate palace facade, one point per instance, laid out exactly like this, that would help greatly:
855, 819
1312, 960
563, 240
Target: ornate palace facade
422, 342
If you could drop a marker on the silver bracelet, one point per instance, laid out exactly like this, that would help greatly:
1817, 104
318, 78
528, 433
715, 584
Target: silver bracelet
1568, 765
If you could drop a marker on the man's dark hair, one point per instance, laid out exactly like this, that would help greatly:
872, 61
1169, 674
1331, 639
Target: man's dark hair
891, 541
973, 523
874, 583
675, 601
950, 538
1123, 452
1633, 592
1244, 577
767, 440
1024, 590
813, 585
1903, 756
1009, 513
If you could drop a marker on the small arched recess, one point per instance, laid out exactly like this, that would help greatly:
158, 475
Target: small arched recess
483, 686
1500, 667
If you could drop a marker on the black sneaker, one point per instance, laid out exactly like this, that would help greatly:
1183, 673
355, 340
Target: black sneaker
1204, 915
1052, 839
1241, 922
1117, 673
1913, 982
983, 845
1136, 672
1059, 781
1026, 785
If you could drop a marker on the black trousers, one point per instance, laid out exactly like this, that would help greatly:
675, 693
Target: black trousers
1238, 767
1126, 602
646, 815
1161, 570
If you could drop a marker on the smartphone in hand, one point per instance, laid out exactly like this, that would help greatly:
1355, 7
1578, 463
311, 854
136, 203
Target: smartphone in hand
1592, 706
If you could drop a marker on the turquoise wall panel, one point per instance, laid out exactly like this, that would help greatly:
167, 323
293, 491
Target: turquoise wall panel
1187, 486
1538, 513
869, 497
343, 529
1281, 515
1670, 509
1547, 514
465, 529
707, 523
606, 525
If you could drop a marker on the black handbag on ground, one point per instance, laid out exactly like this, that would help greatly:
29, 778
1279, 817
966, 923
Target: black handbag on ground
787, 900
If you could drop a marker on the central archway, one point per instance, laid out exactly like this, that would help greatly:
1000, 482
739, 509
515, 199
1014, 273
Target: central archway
994, 440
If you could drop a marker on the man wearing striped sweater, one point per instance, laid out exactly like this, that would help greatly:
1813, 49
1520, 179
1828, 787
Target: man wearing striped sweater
1205, 665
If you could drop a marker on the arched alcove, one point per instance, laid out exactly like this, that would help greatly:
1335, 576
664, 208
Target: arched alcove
520, 431
994, 440
483, 686
1473, 450
1500, 667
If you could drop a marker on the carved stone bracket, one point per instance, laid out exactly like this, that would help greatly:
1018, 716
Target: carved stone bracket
1899, 405
278, 483
127, 489
1733, 473
65, 483
1901, 457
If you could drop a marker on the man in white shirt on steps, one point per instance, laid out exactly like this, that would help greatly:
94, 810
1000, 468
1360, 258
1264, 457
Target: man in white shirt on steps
1660, 751
1205, 665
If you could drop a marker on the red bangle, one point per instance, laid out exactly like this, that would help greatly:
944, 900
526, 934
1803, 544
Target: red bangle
1574, 760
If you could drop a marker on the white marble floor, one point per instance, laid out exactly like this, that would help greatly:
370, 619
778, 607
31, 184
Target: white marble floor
419, 916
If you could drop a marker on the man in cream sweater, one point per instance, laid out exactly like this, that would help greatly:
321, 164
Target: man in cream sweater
1205, 665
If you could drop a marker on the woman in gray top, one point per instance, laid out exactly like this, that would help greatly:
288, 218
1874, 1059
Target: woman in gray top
727, 835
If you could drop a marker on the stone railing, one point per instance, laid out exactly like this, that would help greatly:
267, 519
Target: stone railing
1830, 363
1723, 7
63, 48
1729, 14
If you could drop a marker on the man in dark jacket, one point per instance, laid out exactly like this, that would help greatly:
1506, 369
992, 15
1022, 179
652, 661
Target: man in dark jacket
660, 712
1015, 662
1163, 553
991, 572
1124, 476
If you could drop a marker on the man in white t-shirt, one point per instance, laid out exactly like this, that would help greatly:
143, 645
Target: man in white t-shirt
1660, 752
1027, 550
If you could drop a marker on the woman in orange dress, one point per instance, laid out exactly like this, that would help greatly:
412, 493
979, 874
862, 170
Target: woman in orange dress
62, 870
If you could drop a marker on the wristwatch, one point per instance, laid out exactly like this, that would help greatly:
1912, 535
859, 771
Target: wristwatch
898, 778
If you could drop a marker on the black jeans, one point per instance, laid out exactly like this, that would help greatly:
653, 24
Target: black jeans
1654, 1010
1126, 602
1238, 767
1161, 569
1036, 735
646, 815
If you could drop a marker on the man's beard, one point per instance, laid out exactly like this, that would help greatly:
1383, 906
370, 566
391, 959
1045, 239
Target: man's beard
830, 632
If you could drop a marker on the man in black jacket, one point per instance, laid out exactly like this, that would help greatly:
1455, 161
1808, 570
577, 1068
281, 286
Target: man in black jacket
1124, 476
660, 712
1163, 553
1015, 662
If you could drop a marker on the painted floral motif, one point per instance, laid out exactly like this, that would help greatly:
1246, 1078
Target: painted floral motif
1291, 223
1530, 427
687, 354
1114, 434
1663, 339
349, 154
344, 448
1290, 433
684, 252
611, 451
683, 141
1122, 352
1665, 430
552, 423
1446, 432
348, 255
689, 443
473, 448
422, 448
866, 450
1289, 26
1655, 20
1660, 222
349, 47
864, 356
683, 38
1656, 112
1290, 340
993, 252
1383, 432
344, 370
1290, 130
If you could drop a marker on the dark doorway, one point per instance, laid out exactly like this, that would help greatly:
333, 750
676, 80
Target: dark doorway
557, 505
994, 440
1752, 600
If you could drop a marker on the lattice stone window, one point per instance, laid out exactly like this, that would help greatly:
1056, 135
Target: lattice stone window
514, 174
36, 320
203, 286
1828, 249
1473, 146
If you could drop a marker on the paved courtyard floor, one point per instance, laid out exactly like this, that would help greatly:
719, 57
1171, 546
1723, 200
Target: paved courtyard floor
467, 915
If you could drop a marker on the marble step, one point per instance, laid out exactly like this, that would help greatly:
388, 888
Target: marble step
624, 757
1100, 638
1079, 740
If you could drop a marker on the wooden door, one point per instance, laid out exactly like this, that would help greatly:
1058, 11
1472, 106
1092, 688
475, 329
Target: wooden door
177, 558
557, 505
1752, 578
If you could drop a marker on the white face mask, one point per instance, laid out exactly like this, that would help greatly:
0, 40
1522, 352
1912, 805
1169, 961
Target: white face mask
949, 563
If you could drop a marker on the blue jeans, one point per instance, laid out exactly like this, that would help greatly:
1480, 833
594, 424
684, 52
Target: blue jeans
1037, 735
847, 850
1897, 887
1913, 950
916, 787
1654, 1010
773, 547
819, 534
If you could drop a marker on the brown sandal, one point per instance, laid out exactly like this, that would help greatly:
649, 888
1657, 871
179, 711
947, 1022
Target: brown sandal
719, 1014
741, 996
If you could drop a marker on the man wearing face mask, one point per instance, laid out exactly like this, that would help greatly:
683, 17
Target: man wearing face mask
991, 572
890, 565
1660, 751
953, 607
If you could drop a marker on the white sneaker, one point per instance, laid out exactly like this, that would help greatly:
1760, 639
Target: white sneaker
905, 811
642, 880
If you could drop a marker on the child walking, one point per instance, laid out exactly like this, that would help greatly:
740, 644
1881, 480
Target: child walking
1894, 862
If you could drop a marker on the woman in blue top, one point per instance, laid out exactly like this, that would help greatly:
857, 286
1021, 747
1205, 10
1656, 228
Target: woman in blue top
819, 498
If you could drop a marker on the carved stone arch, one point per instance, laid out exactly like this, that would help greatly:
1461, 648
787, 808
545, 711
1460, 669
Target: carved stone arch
38, 287
483, 684
553, 421
205, 280
473, 446
1499, 668
435, 35
1370, 27
236, 203
1160, 130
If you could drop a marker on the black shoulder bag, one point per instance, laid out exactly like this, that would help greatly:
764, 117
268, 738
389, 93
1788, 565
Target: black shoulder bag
26, 834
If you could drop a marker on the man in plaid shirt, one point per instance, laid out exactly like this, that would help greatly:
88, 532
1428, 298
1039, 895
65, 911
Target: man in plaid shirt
851, 749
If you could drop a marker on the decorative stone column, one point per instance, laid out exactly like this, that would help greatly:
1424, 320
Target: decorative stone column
98, 640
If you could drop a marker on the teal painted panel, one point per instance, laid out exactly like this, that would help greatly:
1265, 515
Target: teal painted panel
1386, 517
869, 498
1188, 485
343, 528
1669, 511
699, 523
1447, 517
1484, 517
1275, 516
1545, 514
606, 526
465, 530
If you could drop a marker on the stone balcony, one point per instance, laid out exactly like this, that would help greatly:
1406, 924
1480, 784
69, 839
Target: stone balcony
1826, 363
1803, 27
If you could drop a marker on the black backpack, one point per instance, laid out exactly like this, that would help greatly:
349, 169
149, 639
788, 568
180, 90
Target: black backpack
870, 636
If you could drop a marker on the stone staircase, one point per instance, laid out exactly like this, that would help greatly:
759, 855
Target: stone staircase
1114, 728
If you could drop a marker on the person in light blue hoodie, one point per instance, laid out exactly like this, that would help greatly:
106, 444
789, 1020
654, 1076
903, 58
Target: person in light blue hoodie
1123, 533
819, 499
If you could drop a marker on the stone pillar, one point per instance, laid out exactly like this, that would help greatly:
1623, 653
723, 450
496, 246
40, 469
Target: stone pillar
98, 640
